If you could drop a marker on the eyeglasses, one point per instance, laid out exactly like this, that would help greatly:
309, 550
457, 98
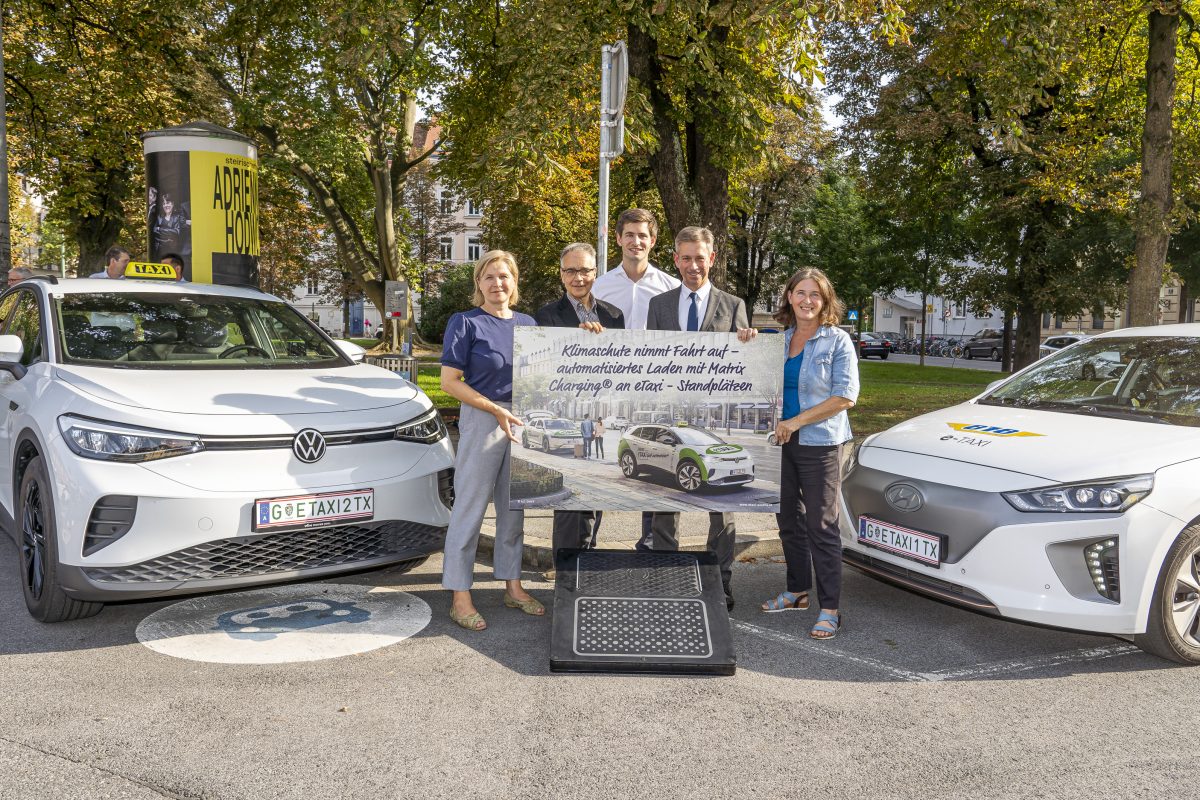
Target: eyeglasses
578, 273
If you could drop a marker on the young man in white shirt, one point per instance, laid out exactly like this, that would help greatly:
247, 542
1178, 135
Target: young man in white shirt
631, 287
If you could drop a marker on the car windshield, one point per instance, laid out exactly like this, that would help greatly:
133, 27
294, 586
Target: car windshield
698, 437
559, 424
188, 331
1146, 379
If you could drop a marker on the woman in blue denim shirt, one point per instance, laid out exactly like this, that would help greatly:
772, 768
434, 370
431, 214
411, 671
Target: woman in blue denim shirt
820, 383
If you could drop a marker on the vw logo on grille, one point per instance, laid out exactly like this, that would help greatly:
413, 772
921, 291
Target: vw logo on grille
309, 445
904, 497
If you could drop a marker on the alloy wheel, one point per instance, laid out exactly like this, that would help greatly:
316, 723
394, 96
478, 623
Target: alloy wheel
689, 476
33, 541
1185, 600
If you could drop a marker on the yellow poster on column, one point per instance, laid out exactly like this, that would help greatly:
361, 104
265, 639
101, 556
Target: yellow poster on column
224, 191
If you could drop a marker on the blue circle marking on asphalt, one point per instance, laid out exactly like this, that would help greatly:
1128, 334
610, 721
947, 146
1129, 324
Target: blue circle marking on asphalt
284, 624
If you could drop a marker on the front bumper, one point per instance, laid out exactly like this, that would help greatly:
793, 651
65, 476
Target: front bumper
186, 539
1023, 566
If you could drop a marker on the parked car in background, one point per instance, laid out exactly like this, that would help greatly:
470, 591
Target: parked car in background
617, 423
889, 339
868, 344
551, 433
1062, 496
988, 343
1057, 342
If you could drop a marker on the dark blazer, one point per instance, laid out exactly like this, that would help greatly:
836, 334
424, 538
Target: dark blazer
561, 314
726, 313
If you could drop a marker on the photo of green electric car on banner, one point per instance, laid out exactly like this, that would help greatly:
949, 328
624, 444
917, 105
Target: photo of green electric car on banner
646, 420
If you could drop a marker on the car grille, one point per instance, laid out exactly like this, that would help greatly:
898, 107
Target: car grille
281, 552
284, 441
918, 581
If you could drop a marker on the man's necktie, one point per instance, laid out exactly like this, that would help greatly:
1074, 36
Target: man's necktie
693, 315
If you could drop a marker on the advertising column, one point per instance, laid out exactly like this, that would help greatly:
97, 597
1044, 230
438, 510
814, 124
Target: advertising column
202, 201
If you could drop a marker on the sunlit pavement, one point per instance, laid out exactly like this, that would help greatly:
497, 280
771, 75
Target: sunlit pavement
912, 699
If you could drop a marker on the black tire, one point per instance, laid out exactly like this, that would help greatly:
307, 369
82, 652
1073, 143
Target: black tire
995, 354
1163, 636
629, 465
525, 440
883, 356
38, 531
967, 353
407, 566
688, 476
546, 443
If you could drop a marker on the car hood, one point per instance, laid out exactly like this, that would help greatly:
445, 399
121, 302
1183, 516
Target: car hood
1054, 446
277, 392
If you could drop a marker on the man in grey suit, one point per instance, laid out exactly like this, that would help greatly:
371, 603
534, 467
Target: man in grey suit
699, 306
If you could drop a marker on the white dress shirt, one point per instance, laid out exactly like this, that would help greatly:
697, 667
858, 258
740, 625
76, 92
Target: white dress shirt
685, 304
633, 298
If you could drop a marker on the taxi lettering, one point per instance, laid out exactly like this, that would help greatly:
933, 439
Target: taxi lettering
990, 430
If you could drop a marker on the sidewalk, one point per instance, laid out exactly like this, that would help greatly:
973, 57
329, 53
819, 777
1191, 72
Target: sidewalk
757, 536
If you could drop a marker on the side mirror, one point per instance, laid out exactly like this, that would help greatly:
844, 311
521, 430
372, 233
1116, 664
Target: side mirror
349, 349
11, 350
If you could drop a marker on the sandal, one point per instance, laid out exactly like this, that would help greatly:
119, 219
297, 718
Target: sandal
826, 627
787, 601
472, 622
530, 606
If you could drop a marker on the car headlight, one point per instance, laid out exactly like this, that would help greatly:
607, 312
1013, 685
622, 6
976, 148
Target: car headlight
112, 442
425, 429
1105, 496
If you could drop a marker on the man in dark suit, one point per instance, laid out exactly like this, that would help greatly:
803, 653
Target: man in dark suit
578, 308
699, 306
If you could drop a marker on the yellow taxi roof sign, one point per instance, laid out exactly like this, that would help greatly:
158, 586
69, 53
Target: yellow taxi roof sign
150, 270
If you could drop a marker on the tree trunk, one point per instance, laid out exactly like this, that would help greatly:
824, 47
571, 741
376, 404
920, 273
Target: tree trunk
1006, 353
1029, 326
924, 316
693, 187
95, 233
1154, 204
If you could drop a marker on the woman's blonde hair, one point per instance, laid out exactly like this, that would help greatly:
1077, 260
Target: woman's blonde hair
832, 308
484, 261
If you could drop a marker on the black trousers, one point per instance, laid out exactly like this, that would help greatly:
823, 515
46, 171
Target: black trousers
809, 483
599, 442
575, 529
722, 536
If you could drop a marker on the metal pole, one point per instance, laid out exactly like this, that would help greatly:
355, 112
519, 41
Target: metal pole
602, 207
5, 236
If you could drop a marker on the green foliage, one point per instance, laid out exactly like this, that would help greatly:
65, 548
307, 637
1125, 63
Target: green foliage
452, 295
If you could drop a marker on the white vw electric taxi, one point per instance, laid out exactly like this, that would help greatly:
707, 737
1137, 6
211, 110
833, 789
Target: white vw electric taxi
1067, 495
168, 438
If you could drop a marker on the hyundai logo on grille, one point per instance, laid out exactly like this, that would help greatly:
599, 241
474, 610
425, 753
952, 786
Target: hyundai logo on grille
904, 497
309, 445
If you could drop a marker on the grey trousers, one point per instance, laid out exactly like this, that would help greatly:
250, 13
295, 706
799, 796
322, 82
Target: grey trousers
481, 471
722, 537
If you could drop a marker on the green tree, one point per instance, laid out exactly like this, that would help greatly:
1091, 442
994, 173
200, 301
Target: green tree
84, 79
331, 90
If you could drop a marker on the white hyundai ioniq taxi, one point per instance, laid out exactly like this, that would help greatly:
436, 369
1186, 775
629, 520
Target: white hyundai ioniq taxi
169, 438
1067, 495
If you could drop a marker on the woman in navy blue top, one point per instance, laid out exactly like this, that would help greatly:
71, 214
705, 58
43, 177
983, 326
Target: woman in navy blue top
820, 383
477, 370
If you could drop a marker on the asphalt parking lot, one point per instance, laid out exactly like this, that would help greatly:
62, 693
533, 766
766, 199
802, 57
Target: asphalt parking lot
913, 699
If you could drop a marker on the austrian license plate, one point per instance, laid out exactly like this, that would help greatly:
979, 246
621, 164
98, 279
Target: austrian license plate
737, 472
923, 547
300, 512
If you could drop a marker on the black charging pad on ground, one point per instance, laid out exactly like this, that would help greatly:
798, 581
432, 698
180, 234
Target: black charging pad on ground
630, 611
